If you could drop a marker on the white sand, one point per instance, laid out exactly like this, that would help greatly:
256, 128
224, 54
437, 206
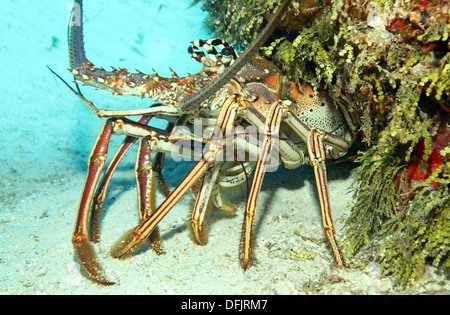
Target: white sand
47, 135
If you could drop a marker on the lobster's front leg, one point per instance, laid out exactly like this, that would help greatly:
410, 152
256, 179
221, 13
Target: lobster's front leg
80, 239
100, 194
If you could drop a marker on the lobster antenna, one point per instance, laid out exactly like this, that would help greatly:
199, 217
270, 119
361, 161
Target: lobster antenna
193, 101
77, 55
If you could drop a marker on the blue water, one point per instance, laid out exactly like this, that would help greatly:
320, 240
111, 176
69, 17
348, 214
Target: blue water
47, 133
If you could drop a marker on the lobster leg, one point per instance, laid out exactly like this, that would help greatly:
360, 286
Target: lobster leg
271, 136
158, 163
314, 139
350, 117
100, 193
317, 155
132, 240
146, 187
80, 240
201, 204
102, 188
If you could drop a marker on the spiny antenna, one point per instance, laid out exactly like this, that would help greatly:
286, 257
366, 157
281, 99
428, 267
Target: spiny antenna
77, 55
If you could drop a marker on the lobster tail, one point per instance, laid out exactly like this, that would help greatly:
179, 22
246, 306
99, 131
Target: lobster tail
77, 55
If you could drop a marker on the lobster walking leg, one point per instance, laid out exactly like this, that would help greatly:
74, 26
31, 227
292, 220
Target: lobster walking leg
158, 163
271, 136
80, 240
100, 194
146, 187
313, 138
201, 204
132, 240
317, 155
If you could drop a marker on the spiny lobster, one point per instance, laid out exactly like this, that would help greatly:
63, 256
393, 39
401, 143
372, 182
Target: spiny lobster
299, 127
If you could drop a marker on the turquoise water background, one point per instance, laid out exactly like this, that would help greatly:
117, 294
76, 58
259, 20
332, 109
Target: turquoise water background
47, 133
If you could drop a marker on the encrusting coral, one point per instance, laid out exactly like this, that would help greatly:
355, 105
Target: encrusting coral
390, 59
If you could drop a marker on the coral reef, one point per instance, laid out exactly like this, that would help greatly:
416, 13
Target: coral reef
390, 60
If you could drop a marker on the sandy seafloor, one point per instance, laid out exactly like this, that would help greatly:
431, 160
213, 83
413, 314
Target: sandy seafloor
46, 137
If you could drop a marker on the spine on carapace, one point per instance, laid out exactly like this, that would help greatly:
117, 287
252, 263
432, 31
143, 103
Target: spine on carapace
77, 55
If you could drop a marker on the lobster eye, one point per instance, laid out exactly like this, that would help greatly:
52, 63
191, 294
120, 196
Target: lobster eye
227, 51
